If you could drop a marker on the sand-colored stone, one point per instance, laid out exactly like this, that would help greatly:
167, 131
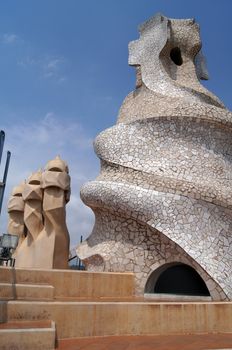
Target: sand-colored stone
28, 338
88, 304
88, 319
41, 210
9, 291
72, 284
16, 213
56, 192
3, 311
32, 195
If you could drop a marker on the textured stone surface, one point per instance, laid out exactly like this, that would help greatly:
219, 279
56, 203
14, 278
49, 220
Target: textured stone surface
71, 284
37, 214
94, 319
27, 336
16, 212
164, 191
9, 291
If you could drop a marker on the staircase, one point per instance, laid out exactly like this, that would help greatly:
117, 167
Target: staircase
25, 291
24, 334
27, 335
30, 299
41, 307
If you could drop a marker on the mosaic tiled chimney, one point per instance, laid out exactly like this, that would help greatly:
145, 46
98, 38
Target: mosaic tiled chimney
163, 197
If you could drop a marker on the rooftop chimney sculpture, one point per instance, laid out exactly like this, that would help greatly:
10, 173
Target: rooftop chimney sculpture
37, 214
163, 197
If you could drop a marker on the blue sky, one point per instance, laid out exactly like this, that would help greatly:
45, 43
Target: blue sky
64, 75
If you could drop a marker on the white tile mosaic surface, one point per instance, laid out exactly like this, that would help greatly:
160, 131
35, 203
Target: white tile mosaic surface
164, 191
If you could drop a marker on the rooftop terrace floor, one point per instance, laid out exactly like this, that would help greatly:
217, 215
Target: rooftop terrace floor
171, 342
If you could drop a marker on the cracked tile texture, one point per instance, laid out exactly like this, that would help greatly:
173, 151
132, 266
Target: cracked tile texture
164, 191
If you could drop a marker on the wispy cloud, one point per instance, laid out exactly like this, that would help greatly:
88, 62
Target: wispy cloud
53, 64
9, 38
52, 67
48, 67
27, 61
33, 144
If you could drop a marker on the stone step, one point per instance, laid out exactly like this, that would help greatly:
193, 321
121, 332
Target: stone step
74, 284
28, 335
91, 319
25, 324
9, 291
149, 342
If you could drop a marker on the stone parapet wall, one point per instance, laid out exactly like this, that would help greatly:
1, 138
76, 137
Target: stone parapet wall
88, 319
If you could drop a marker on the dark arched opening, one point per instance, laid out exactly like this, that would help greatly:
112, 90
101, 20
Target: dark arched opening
177, 279
176, 57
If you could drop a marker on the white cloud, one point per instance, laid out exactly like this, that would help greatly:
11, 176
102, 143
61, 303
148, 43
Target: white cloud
45, 65
27, 61
34, 143
54, 64
52, 68
48, 67
9, 38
